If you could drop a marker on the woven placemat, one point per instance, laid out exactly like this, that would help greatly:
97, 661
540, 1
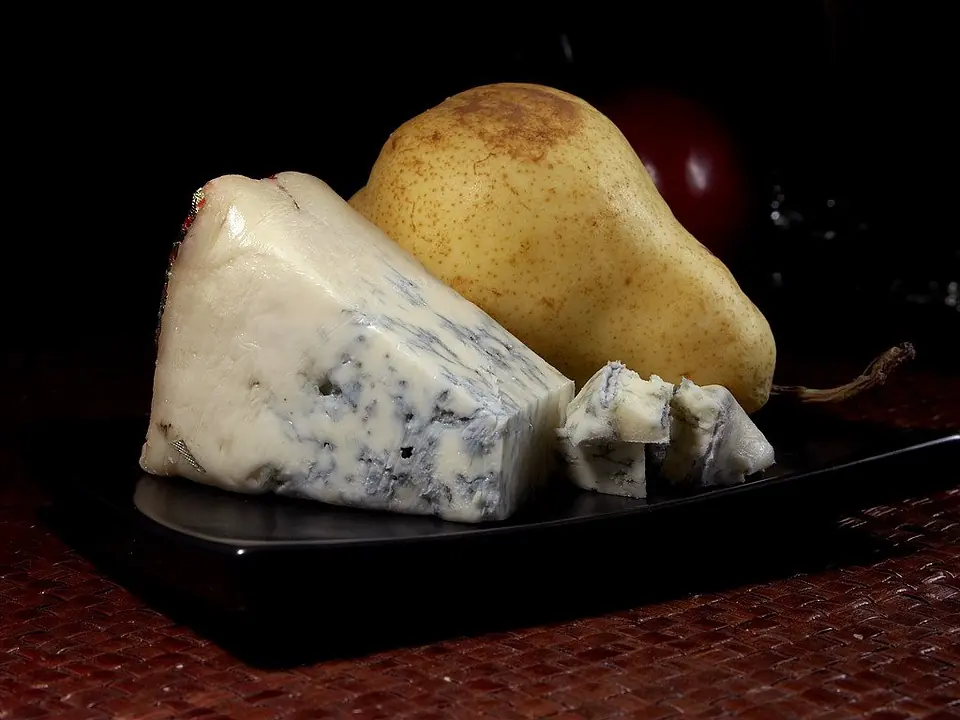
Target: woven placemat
878, 640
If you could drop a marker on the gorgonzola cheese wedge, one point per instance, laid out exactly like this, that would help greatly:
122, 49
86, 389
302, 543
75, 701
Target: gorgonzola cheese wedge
303, 352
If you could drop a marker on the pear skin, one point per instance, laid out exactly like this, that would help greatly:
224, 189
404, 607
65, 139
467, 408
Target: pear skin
532, 204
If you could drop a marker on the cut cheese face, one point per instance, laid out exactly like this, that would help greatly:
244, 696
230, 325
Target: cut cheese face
303, 352
621, 431
609, 426
713, 442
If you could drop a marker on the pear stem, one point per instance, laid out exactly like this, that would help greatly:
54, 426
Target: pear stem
876, 374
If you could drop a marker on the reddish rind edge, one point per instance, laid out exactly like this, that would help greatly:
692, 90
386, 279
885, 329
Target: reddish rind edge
196, 204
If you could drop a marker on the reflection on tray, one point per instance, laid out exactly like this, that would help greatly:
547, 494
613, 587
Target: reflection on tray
238, 519
222, 516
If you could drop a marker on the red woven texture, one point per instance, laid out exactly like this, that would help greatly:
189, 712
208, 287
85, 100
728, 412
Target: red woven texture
879, 641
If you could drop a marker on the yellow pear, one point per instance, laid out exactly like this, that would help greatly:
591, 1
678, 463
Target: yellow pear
532, 204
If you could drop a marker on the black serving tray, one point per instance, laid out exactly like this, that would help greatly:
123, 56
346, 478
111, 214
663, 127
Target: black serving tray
289, 568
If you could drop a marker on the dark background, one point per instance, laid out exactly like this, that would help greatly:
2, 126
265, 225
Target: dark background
842, 101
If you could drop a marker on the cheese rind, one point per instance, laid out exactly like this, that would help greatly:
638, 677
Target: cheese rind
713, 442
609, 426
303, 352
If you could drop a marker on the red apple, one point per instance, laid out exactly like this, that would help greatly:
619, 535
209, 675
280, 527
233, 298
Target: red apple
693, 161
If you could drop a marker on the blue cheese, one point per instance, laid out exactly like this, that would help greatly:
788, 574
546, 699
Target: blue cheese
303, 352
621, 430
609, 426
713, 442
